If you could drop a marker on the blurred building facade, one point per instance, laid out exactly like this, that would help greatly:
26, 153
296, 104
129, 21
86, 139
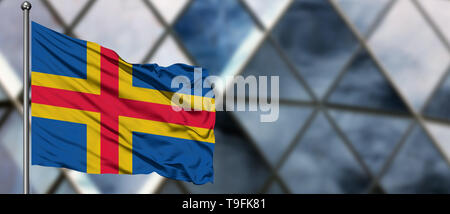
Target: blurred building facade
364, 90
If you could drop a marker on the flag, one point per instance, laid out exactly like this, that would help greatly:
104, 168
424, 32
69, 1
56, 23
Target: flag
93, 112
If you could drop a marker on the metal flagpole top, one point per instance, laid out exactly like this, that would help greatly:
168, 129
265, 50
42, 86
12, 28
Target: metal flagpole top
26, 5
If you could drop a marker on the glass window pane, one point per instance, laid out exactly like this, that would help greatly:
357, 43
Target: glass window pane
363, 85
439, 106
275, 137
169, 9
267, 10
438, 10
65, 188
213, 31
308, 33
68, 10
418, 168
415, 59
362, 12
374, 137
321, 163
11, 34
441, 132
267, 62
169, 53
127, 27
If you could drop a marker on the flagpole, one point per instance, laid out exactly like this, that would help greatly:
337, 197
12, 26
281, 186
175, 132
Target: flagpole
26, 7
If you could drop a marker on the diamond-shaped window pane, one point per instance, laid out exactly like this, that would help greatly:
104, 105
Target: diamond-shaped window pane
11, 33
441, 132
268, 63
415, 59
169, 9
362, 13
68, 9
321, 163
363, 85
127, 27
267, 10
169, 53
308, 33
439, 106
213, 32
438, 10
418, 168
275, 137
374, 137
